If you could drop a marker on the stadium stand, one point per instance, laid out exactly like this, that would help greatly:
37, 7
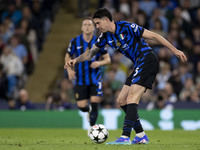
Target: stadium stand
177, 84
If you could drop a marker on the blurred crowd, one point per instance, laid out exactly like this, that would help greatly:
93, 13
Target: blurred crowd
21, 39
179, 22
24, 25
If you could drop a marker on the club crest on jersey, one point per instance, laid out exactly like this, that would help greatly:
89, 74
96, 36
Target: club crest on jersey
77, 95
121, 36
118, 43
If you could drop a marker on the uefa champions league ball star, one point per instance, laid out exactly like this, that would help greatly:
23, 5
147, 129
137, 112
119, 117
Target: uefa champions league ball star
98, 133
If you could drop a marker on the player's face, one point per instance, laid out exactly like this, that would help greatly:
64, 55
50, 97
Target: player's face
101, 24
87, 26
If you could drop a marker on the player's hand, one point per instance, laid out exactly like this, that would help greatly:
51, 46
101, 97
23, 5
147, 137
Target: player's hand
70, 63
95, 64
180, 55
71, 74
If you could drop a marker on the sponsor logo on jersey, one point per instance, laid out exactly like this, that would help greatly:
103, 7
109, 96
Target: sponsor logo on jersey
135, 27
79, 47
110, 41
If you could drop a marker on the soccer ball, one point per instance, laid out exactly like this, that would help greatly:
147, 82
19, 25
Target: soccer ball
98, 133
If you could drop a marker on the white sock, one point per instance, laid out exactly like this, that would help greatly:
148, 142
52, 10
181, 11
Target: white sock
141, 134
124, 136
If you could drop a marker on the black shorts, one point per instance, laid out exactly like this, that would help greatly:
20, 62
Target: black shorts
85, 91
144, 72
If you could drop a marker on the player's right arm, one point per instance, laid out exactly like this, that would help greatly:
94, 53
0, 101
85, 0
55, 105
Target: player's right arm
70, 52
85, 56
70, 70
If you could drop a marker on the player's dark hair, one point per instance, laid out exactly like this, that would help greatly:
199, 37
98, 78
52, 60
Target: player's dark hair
102, 12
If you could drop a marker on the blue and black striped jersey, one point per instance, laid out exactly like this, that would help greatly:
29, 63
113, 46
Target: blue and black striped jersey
127, 40
85, 75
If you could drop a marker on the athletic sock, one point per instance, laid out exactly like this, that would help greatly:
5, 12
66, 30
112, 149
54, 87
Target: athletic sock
141, 134
93, 113
130, 119
124, 107
138, 126
123, 136
84, 109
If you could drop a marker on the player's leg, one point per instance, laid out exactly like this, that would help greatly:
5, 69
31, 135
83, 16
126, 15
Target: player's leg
146, 75
95, 98
83, 105
94, 102
133, 99
81, 95
121, 101
142, 78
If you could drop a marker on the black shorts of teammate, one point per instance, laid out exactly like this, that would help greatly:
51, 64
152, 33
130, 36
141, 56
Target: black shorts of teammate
144, 72
85, 91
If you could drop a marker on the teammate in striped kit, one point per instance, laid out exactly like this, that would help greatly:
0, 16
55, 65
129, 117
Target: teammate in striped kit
127, 38
87, 75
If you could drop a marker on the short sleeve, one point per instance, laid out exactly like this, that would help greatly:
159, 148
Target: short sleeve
71, 47
103, 51
137, 30
101, 41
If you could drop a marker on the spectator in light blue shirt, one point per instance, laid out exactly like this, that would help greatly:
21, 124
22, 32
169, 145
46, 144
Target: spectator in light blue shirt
19, 49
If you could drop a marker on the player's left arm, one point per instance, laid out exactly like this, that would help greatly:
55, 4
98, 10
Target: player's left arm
105, 61
154, 36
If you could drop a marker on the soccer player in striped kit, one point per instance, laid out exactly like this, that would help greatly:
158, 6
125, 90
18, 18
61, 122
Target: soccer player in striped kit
127, 38
87, 75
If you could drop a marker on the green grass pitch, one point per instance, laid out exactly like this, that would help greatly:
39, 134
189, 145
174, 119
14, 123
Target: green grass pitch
76, 139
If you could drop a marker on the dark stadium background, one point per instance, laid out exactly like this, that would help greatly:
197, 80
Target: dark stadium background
44, 29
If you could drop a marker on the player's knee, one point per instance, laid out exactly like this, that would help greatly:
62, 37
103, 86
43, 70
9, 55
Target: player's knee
84, 109
81, 104
121, 102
